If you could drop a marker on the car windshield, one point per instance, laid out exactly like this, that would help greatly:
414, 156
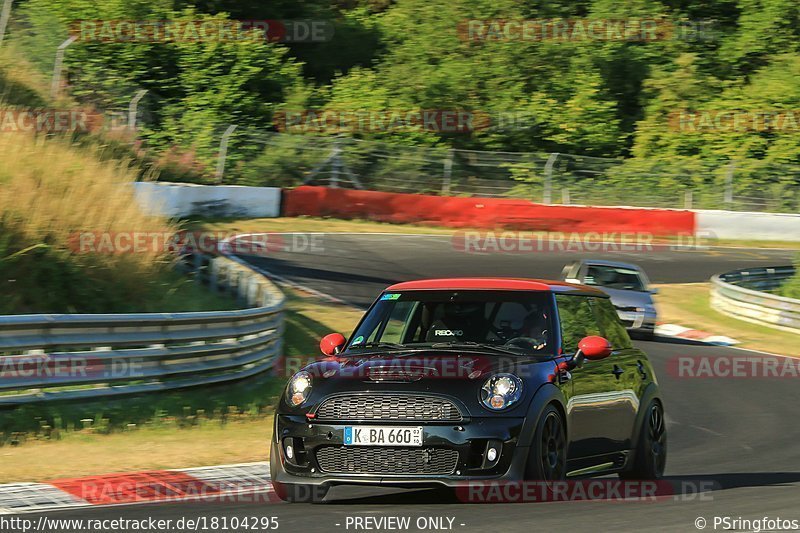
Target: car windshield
614, 278
517, 322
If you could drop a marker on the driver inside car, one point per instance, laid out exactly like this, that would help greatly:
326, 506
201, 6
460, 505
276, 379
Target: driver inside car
468, 322
458, 322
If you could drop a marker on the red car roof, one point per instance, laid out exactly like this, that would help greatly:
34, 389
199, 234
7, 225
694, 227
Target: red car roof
497, 284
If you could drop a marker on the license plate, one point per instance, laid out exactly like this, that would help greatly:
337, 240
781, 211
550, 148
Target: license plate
382, 436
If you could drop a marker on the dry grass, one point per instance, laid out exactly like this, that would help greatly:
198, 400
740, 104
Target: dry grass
22, 83
50, 191
84, 454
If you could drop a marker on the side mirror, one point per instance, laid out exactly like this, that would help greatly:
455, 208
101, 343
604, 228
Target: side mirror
594, 347
332, 343
654, 290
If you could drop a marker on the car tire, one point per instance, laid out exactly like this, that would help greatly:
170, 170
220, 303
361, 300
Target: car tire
650, 456
300, 493
547, 458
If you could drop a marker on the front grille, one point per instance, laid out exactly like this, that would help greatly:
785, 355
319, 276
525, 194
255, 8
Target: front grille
388, 461
388, 407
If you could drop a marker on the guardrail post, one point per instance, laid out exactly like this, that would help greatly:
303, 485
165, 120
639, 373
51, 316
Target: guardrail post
687, 199
241, 287
252, 293
565, 196
213, 281
230, 283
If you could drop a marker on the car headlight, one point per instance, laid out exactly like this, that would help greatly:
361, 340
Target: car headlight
501, 391
299, 388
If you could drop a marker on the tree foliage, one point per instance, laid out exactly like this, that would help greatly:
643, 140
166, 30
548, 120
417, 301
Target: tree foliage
595, 97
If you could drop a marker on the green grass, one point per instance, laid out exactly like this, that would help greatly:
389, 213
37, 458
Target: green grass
688, 304
183, 294
167, 445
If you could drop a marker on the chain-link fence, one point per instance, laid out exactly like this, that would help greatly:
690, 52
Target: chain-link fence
290, 160
224, 150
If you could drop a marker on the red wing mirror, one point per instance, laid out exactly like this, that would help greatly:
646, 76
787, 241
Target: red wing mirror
594, 347
332, 343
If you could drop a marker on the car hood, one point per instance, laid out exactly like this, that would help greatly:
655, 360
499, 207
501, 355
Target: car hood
457, 375
623, 298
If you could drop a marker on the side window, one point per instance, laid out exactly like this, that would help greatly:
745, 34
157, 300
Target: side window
612, 328
577, 320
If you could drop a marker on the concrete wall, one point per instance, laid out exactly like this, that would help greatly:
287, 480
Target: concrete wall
747, 225
183, 199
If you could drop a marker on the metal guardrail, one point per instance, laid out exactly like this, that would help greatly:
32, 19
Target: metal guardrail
49, 357
742, 294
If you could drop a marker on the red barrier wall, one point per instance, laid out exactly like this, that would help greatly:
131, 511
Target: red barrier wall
485, 213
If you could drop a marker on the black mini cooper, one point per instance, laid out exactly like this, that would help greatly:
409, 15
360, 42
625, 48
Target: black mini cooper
459, 380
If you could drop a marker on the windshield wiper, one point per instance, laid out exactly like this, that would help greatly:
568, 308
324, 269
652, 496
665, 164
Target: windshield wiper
379, 345
473, 344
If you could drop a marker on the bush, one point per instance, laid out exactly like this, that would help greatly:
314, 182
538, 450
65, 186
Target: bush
791, 289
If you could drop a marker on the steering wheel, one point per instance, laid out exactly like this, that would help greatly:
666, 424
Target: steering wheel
528, 343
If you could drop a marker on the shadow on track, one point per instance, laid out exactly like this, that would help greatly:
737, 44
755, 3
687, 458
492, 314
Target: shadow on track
671, 488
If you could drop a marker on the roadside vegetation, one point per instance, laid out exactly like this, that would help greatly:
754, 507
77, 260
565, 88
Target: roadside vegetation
612, 98
688, 304
50, 192
791, 288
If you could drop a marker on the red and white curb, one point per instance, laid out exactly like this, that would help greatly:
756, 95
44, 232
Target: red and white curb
236, 483
680, 332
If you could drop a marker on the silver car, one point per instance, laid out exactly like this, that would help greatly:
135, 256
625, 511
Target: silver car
628, 287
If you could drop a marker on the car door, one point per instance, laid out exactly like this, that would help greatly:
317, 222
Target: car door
594, 404
628, 369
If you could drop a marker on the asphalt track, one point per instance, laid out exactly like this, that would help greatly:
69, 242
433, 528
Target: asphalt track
355, 267
737, 440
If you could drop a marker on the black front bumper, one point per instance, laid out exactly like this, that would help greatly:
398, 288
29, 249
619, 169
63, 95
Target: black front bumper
470, 439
